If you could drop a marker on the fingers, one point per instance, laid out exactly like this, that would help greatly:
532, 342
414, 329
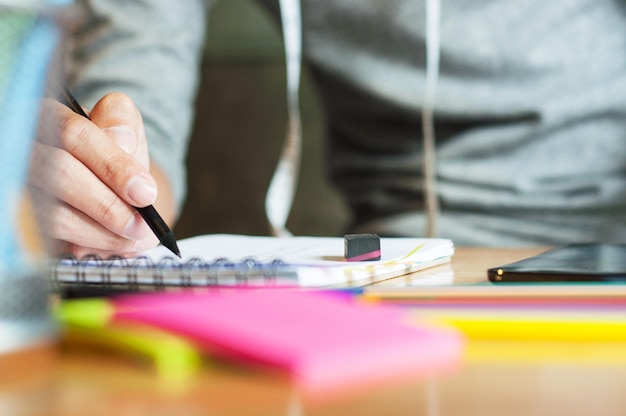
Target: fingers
68, 230
128, 177
64, 178
88, 175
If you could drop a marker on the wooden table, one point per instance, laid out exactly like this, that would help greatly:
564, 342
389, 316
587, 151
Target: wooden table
54, 381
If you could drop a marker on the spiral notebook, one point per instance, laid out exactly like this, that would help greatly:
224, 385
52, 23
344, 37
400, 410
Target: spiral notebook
240, 260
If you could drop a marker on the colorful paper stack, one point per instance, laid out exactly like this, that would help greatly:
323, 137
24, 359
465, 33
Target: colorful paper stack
323, 341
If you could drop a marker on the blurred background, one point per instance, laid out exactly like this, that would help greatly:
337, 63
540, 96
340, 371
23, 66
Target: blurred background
239, 130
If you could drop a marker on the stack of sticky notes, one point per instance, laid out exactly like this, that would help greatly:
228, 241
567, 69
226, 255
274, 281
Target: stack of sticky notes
322, 340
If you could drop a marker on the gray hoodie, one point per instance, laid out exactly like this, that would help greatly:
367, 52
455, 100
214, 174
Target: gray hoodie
530, 107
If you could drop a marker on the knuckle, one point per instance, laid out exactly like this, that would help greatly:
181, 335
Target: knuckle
60, 163
110, 212
118, 168
116, 165
59, 172
71, 131
61, 224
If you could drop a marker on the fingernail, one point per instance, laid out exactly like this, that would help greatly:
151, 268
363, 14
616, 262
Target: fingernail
141, 191
136, 228
124, 137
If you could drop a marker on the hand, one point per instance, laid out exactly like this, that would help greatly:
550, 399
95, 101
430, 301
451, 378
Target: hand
87, 176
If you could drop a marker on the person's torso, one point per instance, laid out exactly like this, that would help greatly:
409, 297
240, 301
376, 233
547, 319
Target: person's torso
530, 106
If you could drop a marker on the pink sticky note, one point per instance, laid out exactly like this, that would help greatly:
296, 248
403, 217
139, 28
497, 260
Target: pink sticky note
323, 342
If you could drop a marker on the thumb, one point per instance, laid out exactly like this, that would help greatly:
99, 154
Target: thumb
119, 118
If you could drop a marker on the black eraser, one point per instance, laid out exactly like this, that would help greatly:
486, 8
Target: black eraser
362, 247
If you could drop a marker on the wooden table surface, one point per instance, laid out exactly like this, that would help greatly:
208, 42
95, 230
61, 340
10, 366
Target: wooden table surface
90, 381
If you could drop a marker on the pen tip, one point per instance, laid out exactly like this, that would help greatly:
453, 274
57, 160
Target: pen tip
169, 241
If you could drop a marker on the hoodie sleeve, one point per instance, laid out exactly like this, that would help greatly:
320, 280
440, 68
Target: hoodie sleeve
151, 51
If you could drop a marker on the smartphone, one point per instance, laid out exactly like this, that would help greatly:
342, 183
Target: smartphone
594, 262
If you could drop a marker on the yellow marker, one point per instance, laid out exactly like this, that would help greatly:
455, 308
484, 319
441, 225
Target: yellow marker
552, 352
506, 337
541, 325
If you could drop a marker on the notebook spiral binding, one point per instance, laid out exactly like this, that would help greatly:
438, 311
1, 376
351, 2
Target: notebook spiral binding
167, 271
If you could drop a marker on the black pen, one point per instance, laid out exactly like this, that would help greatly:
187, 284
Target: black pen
149, 214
